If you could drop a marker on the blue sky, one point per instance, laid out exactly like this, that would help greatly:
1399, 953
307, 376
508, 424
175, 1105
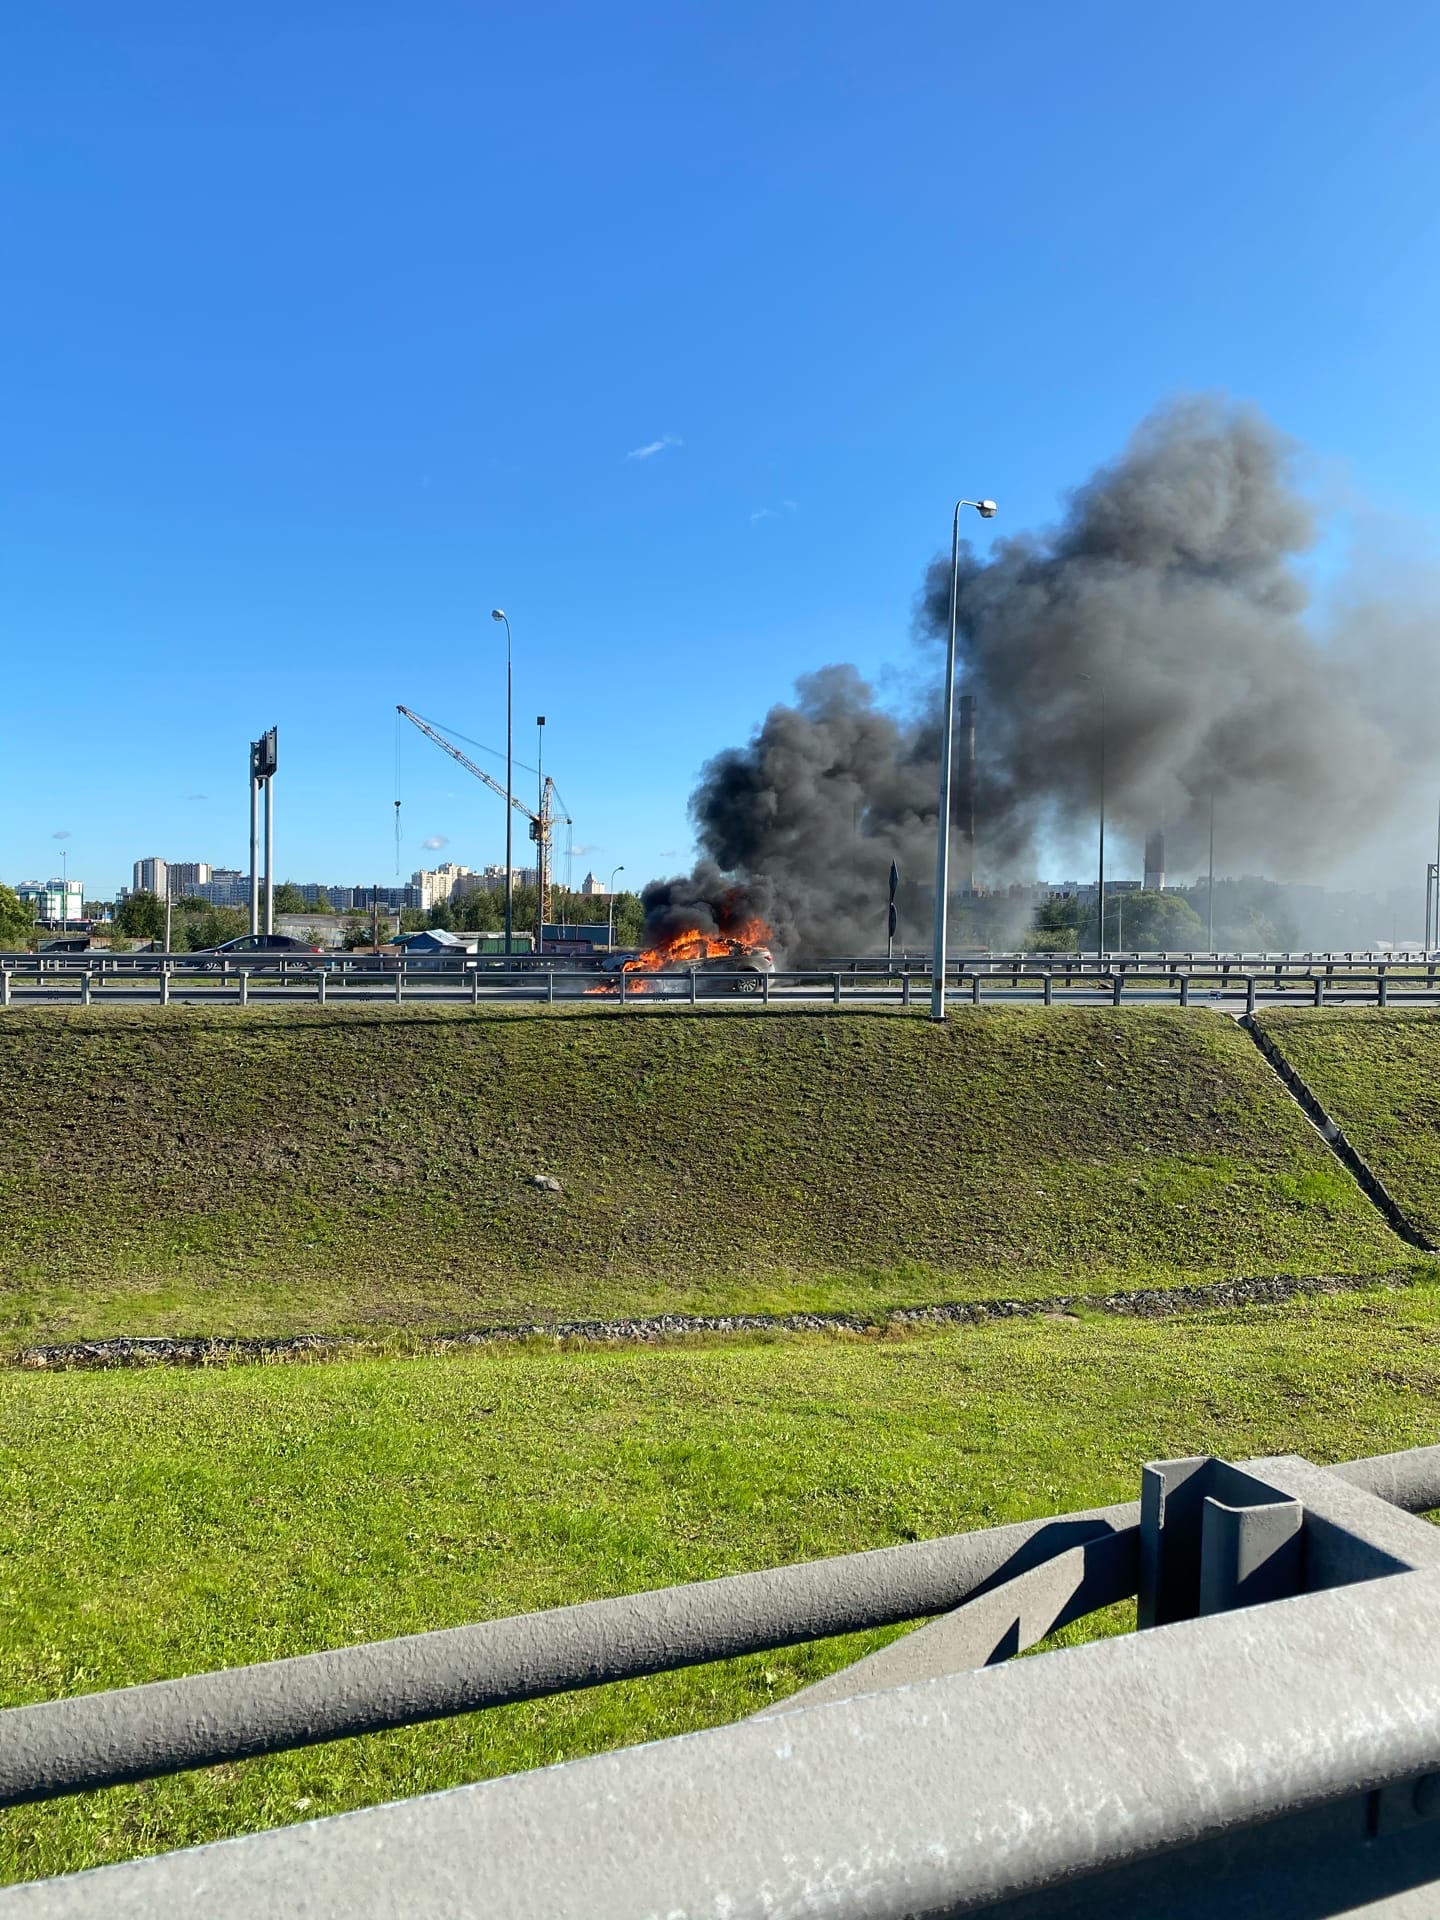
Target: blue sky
328, 327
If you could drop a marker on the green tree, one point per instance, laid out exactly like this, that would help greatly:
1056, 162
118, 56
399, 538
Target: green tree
479, 912
289, 899
141, 916
17, 921
629, 920
322, 902
209, 927
1146, 923
1055, 928
442, 917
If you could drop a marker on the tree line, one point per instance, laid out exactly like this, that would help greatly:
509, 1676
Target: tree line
195, 924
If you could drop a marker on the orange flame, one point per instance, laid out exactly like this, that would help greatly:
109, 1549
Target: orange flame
688, 950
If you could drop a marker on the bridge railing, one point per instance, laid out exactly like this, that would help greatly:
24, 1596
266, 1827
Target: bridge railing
86, 979
1267, 1741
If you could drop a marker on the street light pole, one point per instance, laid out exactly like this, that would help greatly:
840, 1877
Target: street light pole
1099, 686
986, 510
498, 613
1211, 896
611, 891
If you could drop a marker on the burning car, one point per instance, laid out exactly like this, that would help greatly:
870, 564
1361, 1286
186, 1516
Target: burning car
736, 964
745, 965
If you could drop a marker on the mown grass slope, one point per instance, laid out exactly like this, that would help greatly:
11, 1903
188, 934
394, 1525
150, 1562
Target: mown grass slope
157, 1523
1378, 1073
193, 1171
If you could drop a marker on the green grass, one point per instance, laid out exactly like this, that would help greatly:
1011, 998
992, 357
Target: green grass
154, 1524
368, 1170
1378, 1074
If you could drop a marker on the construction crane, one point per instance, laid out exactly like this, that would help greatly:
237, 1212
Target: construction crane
542, 824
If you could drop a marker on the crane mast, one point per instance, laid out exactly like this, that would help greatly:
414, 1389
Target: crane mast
542, 824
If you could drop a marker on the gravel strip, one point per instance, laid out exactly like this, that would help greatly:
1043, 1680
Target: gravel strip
1146, 1303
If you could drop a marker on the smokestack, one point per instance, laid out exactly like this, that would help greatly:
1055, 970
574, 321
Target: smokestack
967, 761
1155, 861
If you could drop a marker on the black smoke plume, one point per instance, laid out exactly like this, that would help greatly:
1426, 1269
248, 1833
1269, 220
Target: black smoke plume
1171, 598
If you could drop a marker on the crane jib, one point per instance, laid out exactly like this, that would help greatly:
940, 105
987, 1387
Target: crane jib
542, 824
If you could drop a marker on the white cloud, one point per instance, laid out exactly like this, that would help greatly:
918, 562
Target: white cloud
435, 842
774, 513
655, 446
63, 834
583, 847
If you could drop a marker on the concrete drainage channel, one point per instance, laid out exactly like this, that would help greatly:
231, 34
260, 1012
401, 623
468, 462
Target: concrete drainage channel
1333, 1135
1144, 1303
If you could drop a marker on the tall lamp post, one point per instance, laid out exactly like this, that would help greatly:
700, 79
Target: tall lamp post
1099, 686
611, 891
986, 510
1210, 891
498, 613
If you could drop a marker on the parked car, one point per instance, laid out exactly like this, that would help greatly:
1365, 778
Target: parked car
259, 953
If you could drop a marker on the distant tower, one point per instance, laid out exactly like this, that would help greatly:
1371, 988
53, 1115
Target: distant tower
1155, 861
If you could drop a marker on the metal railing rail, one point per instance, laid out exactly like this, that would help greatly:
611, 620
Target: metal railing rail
82, 980
1274, 1747
91, 1740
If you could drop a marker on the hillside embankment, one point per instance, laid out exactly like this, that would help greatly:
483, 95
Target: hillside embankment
194, 1172
1376, 1074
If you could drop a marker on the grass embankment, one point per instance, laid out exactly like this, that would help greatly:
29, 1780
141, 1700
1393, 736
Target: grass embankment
353, 1170
155, 1524
1378, 1074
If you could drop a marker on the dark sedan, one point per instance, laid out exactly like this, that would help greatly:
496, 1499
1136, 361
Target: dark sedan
260, 952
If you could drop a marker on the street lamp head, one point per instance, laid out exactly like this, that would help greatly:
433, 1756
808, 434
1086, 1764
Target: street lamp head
497, 613
986, 509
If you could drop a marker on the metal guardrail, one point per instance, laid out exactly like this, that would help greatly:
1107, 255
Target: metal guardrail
88, 980
1267, 1743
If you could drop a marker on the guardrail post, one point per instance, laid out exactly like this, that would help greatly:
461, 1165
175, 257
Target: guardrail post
836, 979
974, 989
1049, 987
320, 985
622, 986
905, 991
475, 986
1249, 993
550, 987
1382, 988
165, 984
764, 989
693, 988
242, 980
4, 986
1117, 987
1319, 986
399, 982
1184, 989
85, 988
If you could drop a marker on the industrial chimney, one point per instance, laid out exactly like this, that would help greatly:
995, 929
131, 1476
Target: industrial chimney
967, 787
1155, 861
